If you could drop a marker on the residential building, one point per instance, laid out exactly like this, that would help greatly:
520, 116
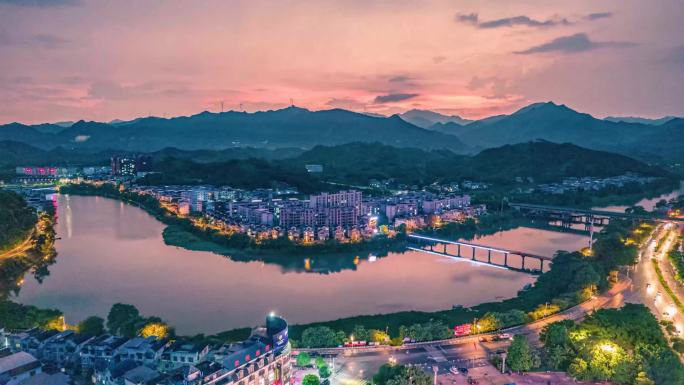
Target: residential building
18, 367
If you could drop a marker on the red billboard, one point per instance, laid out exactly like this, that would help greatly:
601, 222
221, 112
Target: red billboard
462, 330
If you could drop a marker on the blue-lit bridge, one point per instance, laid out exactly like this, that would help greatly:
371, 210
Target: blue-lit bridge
495, 256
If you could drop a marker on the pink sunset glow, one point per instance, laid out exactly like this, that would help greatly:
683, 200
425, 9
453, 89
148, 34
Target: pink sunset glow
102, 60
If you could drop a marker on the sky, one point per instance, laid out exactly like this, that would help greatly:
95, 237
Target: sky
65, 60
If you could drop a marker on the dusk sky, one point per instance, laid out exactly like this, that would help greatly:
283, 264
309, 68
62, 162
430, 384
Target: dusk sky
102, 60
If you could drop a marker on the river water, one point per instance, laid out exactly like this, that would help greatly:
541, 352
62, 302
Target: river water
647, 203
112, 252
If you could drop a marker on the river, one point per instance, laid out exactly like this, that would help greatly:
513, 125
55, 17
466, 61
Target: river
647, 203
112, 252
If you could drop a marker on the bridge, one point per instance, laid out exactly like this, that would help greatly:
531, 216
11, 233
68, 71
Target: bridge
494, 254
570, 215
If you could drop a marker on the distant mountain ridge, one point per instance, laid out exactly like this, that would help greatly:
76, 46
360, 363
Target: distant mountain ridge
289, 127
634, 119
427, 119
560, 124
296, 127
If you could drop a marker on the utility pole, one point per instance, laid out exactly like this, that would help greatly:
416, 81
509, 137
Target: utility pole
503, 362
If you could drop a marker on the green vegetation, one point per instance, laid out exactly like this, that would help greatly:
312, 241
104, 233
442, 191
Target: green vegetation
92, 326
311, 379
666, 287
303, 359
16, 220
125, 320
573, 278
248, 174
625, 346
401, 375
676, 258
14, 316
521, 357
36, 257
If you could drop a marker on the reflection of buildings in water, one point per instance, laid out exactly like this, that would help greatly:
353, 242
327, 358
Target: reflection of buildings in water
69, 217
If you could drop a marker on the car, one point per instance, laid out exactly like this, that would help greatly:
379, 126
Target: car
505, 336
463, 370
453, 370
666, 314
648, 286
483, 339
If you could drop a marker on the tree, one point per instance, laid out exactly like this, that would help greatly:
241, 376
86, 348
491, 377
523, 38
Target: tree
311, 379
320, 362
410, 376
303, 359
320, 337
155, 329
122, 318
520, 356
92, 326
488, 323
578, 369
324, 371
360, 333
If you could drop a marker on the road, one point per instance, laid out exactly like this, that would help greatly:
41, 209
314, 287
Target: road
354, 364
647, 288
20, 248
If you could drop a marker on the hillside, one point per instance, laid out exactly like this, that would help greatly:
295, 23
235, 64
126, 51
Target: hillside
546, 161
289, 127
357, 163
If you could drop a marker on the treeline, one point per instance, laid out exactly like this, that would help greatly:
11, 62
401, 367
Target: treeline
325, 337
357, 163
239, 173
16, 219
573, 278
624, 346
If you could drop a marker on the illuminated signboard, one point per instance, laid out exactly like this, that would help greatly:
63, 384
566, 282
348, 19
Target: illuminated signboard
280, 340
462, 330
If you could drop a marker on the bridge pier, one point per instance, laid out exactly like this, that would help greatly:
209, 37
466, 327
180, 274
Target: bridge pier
523, 262
489, 256
506, 259
458, 250
473, 253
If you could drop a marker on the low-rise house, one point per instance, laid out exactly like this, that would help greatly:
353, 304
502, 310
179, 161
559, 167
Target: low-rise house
18, 367
100, 350
144, 351
182, 353
63, 348
30, 341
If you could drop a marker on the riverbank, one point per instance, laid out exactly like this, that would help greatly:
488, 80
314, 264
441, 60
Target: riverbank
573, 278
182, 232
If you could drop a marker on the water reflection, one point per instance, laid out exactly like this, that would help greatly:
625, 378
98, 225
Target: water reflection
116, 254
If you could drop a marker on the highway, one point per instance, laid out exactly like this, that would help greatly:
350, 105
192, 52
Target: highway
647, 288
353, 365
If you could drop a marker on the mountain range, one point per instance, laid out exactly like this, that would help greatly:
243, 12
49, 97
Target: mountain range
300, 128
428, 119
289, 127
